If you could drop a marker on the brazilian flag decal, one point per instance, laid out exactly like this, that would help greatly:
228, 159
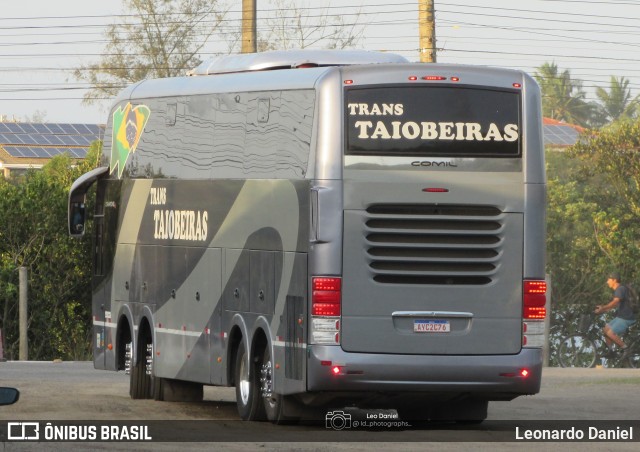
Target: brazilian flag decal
128, 125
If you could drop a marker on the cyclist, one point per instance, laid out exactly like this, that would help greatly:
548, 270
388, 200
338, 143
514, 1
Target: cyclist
624, 314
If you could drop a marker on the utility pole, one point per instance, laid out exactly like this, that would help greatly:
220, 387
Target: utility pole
23, 352
249, 26
427, 26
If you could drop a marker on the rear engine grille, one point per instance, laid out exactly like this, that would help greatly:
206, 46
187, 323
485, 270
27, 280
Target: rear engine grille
434, 244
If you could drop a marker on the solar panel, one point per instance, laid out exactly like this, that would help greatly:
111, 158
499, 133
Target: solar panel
15, 139
14, 127
68, 129
560, 135
94, 129
14, 151
55, 139
29, 152
55, 128
46, 140
79, 152
28, 128
27, 139
41, 139
41, 152
80, 129
40, 128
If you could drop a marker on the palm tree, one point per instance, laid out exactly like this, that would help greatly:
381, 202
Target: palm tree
562, 97
617, 103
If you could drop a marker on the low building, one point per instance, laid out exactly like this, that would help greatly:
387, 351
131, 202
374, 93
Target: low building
32, 145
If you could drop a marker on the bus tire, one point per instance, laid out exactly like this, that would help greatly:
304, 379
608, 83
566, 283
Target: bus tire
276, 406
140, 385
248, 400
158, 389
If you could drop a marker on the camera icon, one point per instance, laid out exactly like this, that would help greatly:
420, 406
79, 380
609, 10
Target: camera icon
337, 420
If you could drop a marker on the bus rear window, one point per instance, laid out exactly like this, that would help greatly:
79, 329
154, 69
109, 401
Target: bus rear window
433, 121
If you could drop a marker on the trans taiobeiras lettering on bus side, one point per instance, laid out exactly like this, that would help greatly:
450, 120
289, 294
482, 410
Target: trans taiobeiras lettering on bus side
171, 224
424, 130
188, 225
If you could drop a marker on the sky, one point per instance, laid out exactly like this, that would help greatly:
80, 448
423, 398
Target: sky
42, 41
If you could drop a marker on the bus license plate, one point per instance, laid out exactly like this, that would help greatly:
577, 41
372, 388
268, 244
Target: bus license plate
431, 326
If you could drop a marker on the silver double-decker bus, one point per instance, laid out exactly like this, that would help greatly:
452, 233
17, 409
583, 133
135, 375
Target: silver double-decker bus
322, 229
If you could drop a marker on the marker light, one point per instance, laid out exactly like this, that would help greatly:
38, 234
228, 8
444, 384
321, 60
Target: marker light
348, 82
455, 79
517, 85
413, 78
433, 77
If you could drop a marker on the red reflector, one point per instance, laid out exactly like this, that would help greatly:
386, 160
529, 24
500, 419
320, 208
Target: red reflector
325, 363
435, 190
433, 77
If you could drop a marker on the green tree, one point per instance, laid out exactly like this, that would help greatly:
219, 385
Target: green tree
156, 38
617, 103
593, 211
291, 26
563, 97
33, 234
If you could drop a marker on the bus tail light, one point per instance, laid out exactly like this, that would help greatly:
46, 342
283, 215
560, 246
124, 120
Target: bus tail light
326, 299
534, 313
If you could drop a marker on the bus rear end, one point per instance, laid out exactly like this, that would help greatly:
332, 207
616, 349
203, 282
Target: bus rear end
438, 304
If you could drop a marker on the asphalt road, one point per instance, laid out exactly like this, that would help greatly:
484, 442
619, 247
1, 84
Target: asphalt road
73, 393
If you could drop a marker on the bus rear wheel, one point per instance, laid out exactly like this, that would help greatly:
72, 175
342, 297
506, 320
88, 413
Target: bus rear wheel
141, 383
276, 405
248, 400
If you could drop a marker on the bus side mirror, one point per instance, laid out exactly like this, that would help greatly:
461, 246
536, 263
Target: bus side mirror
9, 396
77, 197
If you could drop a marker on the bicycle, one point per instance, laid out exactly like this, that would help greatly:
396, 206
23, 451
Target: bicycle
587, 346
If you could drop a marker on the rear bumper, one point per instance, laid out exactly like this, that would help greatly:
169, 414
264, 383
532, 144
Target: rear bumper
491, 377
